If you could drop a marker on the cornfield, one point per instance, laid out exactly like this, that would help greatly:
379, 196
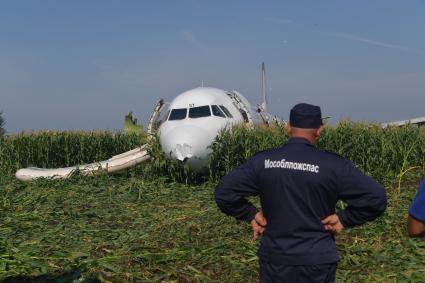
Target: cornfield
385, 154
159, 222
59, 149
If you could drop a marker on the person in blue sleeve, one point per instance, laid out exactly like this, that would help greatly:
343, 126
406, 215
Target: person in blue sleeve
416, 218
299, 186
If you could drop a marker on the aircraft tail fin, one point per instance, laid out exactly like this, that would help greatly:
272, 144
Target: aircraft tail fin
264, 87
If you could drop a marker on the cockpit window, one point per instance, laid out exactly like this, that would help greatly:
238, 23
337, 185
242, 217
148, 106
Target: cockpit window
217, 112
161, 118
226, 111
178, 114
198, 112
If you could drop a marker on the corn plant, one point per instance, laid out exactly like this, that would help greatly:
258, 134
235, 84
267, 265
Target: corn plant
60, 149
383, 153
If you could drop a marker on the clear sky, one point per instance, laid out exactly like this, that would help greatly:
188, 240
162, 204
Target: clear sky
85, 64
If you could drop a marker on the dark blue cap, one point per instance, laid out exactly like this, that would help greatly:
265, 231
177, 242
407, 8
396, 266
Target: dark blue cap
305, 116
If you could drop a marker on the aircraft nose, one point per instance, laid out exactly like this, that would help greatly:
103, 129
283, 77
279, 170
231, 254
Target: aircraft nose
187, 142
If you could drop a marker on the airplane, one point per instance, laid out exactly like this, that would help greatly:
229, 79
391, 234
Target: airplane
186, 128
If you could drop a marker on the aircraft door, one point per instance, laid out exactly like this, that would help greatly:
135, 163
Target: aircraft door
240, 105
158, 116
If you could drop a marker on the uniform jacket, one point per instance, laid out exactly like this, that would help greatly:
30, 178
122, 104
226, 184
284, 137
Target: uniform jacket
417, 209
299, 185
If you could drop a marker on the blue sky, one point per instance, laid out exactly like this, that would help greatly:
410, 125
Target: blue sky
85, 64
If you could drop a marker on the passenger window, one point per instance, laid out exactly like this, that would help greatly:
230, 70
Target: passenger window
226, 111
178, 114
217, 112
198, 112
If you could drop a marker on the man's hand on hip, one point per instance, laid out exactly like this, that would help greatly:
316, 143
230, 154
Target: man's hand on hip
258, 225
332, 224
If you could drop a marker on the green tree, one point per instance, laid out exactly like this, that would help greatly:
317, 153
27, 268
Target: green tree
2, 122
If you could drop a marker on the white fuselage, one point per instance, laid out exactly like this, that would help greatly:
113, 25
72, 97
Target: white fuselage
195, 117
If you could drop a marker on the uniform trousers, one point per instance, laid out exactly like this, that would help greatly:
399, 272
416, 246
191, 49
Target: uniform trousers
281, 273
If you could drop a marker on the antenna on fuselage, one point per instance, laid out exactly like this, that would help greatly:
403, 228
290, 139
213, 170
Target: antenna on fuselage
264, 89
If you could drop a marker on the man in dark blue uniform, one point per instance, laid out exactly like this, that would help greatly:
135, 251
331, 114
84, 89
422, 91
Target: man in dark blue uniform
299, 187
